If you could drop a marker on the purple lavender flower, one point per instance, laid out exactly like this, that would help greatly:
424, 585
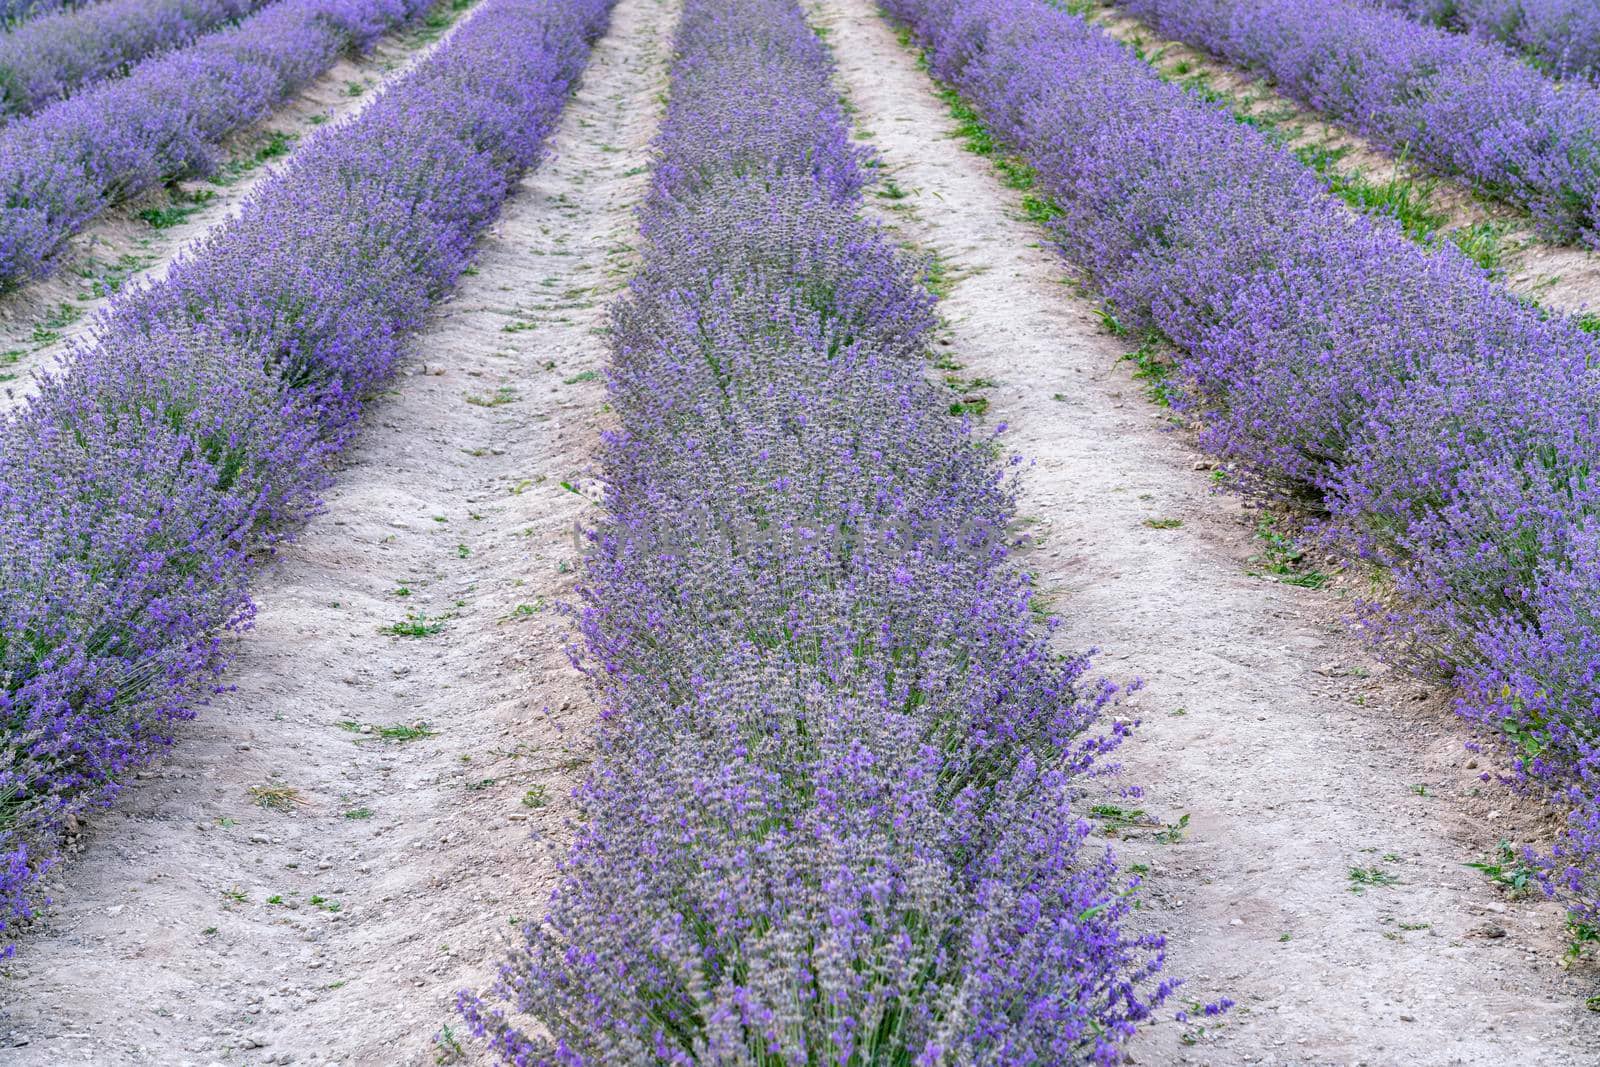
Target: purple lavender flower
49, 57
64, 165
832, 814
1455, 104
15, 11
1561, 36
1436, 424
141, 491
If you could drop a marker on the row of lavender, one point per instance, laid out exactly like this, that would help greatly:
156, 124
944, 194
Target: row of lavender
1449, 431
1562, 36
47, 58
831, 819
1455, 104
140, 492
64, 165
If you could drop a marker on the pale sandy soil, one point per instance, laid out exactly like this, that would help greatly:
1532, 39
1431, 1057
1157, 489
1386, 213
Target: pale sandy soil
197, 926
122, 246
1293, 753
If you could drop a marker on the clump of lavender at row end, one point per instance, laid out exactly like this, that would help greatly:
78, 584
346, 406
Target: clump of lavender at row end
1446, 430
47, 58
1454, 104
141, 491
65, 164
831, 818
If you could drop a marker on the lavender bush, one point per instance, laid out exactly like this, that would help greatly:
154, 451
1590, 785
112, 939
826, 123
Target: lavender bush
831, 819
64, 165
1561, 36
1455, 104
15, 11
47, 58
141, 491
1445, 429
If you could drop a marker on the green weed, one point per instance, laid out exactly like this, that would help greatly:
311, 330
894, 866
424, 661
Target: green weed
415, 624
1509, 871
1374, 877
1280, 559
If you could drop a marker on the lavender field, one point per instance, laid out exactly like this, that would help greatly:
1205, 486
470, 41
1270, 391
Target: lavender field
905, 532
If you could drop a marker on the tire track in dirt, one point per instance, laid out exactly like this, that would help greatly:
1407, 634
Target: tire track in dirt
199, 926
39, 321
1293, 752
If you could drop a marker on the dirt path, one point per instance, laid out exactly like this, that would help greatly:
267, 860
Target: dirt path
1293, 754
39, 321
198, 926
1560, 276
